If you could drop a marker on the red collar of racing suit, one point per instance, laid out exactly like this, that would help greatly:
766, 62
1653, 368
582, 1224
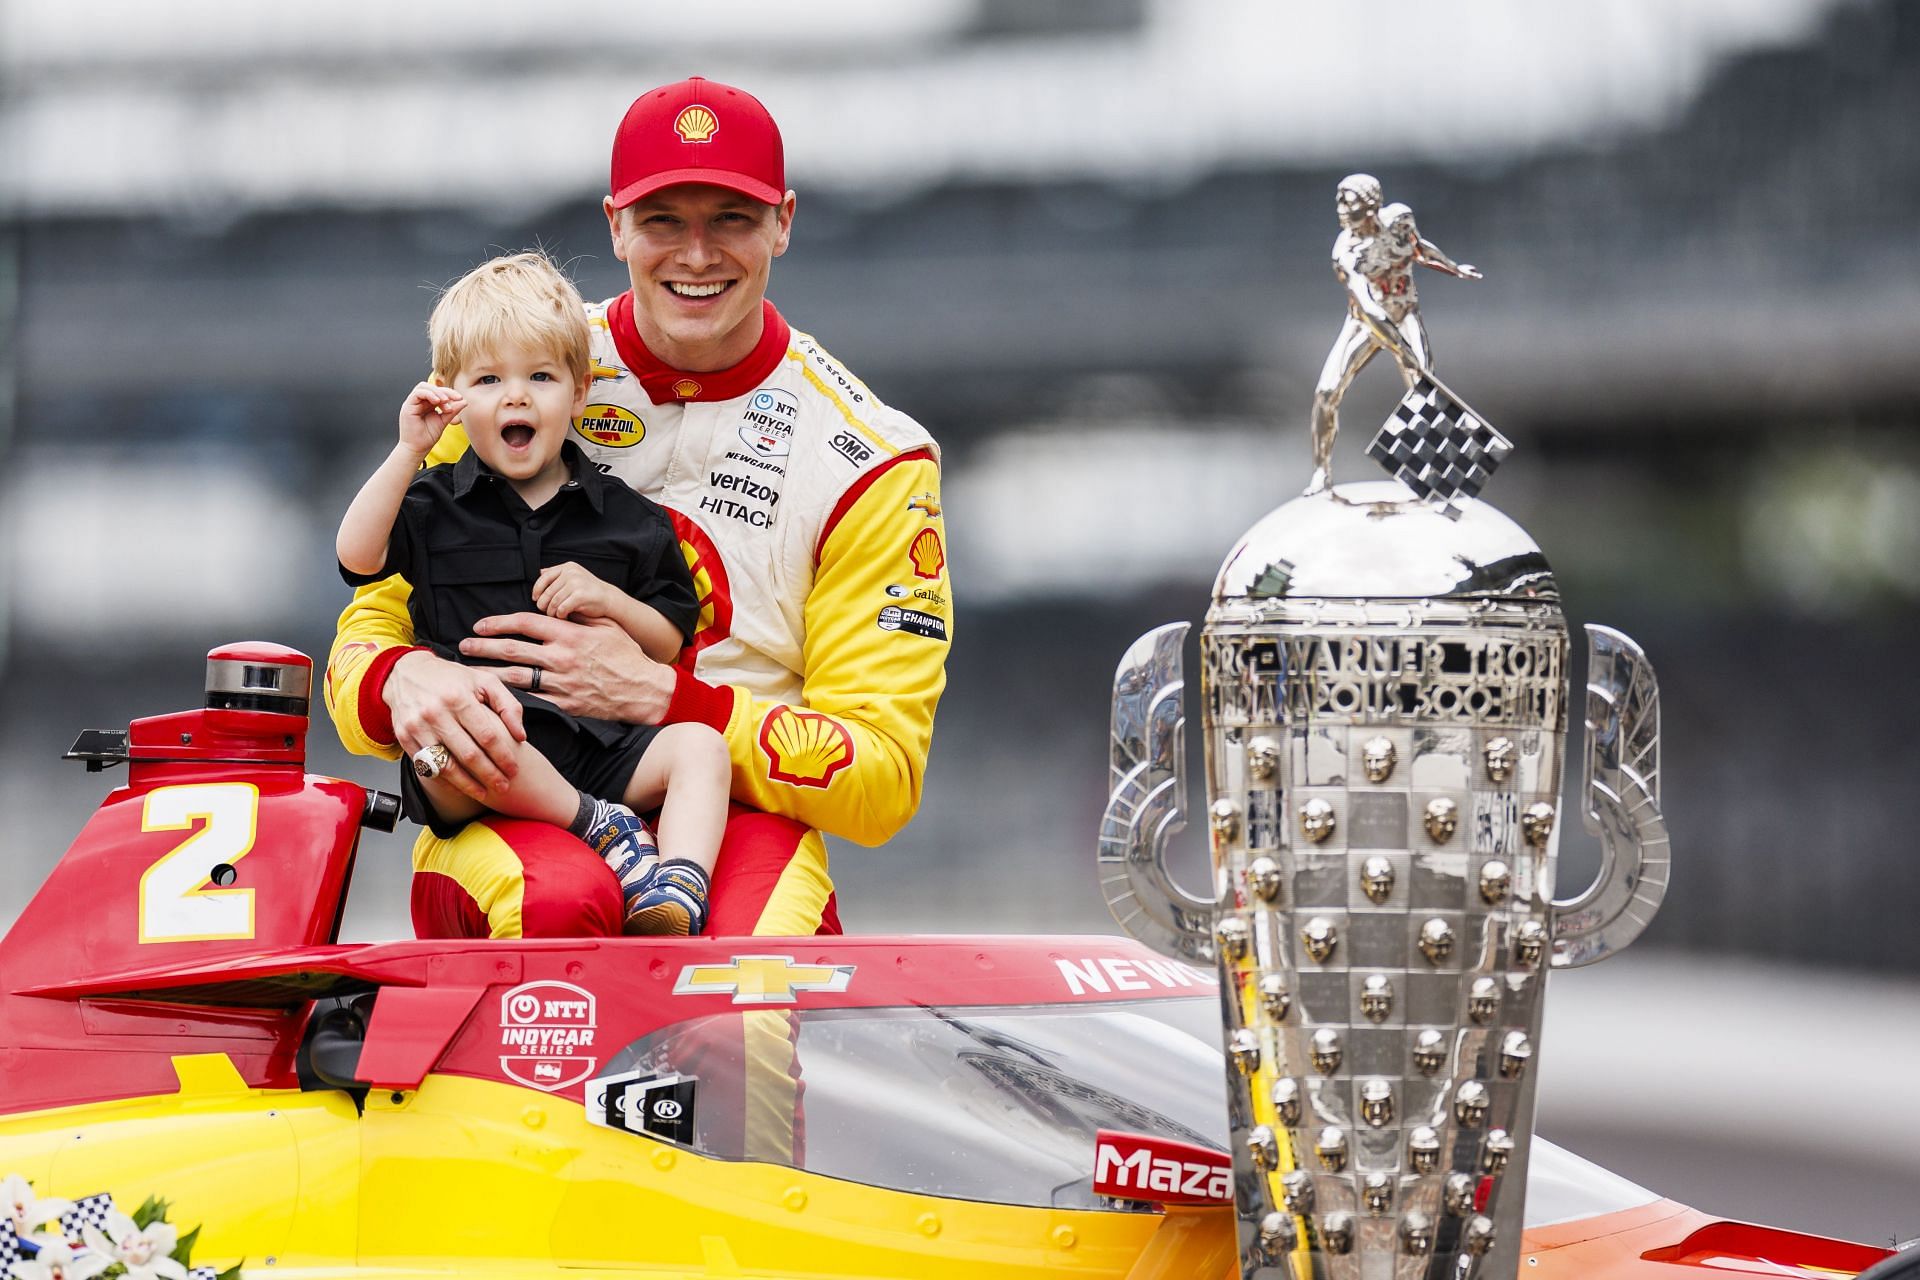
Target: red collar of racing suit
665, 384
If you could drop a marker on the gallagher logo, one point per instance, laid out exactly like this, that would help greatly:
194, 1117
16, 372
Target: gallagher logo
929, 557
804, 748
1133, 1166
610, 425
696, 124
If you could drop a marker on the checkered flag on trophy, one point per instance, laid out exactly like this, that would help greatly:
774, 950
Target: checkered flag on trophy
1438, 446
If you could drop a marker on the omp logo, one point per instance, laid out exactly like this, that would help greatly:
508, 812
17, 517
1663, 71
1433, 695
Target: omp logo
851, 447
1133, 1166
761, 979
610, 425
696, 124
804, 748
928, 555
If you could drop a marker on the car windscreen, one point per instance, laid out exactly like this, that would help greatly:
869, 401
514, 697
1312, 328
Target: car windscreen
999, 1104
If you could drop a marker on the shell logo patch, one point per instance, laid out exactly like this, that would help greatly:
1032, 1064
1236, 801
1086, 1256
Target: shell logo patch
346, 659
612, 426
928, 555
710, 587
804, 748
696, 124
686, 388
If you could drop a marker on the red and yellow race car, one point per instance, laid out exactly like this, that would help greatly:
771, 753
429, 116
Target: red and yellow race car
178, 1020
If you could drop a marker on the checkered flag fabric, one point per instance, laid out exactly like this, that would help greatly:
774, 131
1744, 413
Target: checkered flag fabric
201, 1273
89, 1211
1437, 446
11, 1250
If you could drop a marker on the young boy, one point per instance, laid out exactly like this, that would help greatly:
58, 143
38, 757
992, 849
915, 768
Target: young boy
523, 517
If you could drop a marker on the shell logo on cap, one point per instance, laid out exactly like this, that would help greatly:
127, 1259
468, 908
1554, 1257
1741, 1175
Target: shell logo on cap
804, 748
929, 557
610, 425
696, 124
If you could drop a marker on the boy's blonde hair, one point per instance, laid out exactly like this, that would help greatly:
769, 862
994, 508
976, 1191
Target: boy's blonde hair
521, 298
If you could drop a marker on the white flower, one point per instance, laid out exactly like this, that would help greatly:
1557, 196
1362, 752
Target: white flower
57, 1261
18, 1206
145, 1252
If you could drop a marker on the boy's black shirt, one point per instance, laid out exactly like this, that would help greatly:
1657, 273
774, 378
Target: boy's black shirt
471, 548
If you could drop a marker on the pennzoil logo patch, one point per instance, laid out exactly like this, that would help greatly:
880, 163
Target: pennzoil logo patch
804, 748
612, 426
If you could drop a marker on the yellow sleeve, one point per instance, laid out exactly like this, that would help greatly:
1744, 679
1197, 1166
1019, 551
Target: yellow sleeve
374, 622
850, 760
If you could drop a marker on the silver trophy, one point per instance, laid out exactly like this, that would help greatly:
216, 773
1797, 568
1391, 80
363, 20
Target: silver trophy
1385, 694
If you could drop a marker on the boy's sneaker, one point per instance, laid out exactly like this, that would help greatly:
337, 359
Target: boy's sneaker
674, 903
627, 845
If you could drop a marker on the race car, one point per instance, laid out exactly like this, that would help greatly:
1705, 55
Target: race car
178, 1020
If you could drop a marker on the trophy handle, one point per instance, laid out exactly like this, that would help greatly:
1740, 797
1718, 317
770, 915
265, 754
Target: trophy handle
1148, 802
1622, 782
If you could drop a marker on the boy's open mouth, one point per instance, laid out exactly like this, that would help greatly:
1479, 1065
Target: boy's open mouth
516, 435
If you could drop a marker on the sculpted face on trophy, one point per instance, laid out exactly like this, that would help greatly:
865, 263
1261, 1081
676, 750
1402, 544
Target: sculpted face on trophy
1385, 703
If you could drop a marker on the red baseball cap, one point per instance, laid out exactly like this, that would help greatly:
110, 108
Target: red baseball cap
698, 130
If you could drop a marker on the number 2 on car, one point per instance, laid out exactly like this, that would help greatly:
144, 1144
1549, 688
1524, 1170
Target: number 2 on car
175, 903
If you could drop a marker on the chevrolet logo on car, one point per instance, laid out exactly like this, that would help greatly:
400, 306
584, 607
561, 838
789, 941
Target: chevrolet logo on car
761, 979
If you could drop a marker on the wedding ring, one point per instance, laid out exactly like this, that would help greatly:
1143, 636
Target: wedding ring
533, 679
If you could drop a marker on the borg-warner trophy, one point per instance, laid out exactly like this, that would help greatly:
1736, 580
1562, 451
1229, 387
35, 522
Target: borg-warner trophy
1384, 699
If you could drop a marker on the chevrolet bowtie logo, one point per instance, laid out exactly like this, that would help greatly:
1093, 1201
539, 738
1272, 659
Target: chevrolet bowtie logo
761, 979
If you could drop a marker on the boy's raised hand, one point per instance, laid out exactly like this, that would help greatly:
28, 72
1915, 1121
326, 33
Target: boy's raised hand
563, 590
425, 415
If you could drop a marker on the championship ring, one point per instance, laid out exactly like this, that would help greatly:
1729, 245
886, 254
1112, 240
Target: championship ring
1385, 705
430, 760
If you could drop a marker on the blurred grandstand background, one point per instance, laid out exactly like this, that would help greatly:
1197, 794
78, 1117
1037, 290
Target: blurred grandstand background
1086, 243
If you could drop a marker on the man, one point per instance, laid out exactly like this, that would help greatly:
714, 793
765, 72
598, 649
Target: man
1373, 256
809, 514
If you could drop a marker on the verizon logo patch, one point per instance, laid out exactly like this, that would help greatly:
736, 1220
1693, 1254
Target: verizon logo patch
1132, 1166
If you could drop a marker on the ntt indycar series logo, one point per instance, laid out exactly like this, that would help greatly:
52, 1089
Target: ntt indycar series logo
1133, 1166
546, 1034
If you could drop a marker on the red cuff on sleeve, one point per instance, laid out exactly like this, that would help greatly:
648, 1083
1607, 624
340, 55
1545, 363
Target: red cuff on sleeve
696, 700
375, 720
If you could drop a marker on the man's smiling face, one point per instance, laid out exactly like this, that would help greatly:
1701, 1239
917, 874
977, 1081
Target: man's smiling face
699, 257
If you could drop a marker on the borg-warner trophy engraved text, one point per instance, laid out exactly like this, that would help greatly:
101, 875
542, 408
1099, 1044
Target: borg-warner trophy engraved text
1384, 700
